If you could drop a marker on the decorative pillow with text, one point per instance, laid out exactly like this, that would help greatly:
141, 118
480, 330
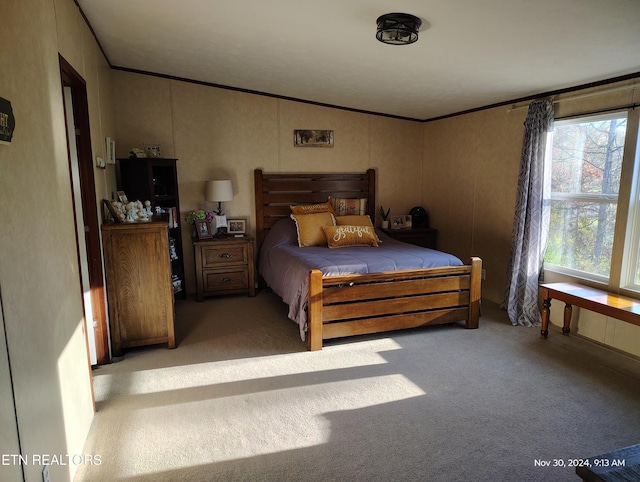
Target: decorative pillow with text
346, 235
312, 208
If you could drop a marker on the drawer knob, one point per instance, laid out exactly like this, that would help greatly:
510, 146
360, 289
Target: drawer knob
224, 255
225, 280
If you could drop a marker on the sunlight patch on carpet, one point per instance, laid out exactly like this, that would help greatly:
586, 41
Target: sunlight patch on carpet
251, 424
184, 377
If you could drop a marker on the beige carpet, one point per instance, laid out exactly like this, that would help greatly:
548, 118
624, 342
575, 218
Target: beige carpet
241, 399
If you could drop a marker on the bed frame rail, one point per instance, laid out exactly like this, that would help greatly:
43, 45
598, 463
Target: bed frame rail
342, 306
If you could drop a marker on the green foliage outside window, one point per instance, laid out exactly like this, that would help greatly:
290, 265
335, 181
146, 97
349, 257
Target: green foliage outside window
585, 178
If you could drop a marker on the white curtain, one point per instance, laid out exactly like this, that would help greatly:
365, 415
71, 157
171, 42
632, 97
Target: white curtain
531, 220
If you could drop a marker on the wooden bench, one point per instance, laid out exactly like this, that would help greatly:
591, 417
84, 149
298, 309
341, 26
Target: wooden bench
620, 465
608, 304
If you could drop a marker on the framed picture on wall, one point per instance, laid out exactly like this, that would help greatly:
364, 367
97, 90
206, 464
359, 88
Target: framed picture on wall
312, 138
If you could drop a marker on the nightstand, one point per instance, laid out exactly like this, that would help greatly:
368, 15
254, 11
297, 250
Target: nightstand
425, 237
224, 266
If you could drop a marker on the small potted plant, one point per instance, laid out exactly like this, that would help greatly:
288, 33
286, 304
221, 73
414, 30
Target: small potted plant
385, 217
198, 215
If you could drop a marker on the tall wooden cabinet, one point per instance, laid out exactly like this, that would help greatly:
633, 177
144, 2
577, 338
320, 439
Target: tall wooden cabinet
139, 287
156, 180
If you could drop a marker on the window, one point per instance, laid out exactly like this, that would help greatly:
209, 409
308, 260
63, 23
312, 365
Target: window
584, 170
631, 260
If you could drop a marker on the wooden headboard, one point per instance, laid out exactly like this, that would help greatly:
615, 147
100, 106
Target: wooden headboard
274, 193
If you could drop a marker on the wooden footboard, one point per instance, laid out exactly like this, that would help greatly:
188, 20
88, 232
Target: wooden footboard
341, 306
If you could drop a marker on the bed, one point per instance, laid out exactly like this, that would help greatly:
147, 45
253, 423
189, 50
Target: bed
364, 296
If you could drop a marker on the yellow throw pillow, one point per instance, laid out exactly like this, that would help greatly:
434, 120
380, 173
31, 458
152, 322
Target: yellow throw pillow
309, 228
312, 208
343, 236
345, 206
354, 220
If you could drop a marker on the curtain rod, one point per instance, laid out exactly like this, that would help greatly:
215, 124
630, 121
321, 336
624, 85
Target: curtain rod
583, 96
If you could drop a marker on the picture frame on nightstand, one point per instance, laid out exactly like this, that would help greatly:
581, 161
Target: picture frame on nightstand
203, 229
237, 227
401, 222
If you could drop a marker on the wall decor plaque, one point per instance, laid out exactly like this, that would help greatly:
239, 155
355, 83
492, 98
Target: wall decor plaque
7, 121
312, 138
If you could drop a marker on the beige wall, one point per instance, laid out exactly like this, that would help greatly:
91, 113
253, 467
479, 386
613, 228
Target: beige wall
470, 177
223, 134
39, 276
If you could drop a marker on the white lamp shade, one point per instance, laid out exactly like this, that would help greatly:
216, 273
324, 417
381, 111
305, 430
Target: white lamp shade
218, 191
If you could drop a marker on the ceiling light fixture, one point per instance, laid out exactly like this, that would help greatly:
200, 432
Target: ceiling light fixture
398, 28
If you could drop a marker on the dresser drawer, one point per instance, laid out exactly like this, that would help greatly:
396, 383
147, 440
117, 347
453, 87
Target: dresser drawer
225, 281
224, 255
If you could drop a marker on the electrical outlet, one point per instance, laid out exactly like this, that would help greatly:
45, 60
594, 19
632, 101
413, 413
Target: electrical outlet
483, 274
45, 474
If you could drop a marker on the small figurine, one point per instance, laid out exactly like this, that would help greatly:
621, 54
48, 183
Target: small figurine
130, 208
142, 212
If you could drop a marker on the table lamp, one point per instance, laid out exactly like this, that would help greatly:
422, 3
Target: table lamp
219, 191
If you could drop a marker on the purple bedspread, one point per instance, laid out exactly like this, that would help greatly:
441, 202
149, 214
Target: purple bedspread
285, 266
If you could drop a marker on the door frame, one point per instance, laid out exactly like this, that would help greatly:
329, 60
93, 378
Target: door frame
72, 79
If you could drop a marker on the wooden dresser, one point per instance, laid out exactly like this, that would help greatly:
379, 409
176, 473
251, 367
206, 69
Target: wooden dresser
224, 266
139, 287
